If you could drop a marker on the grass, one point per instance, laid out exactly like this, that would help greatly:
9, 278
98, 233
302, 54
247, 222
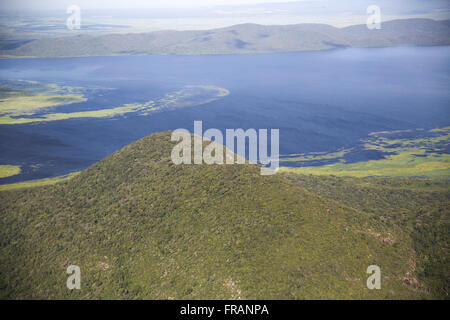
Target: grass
404, 164
424, 157
25, 98
314, 156
8, 170
28, 105
19, 105
37, 183
103, 113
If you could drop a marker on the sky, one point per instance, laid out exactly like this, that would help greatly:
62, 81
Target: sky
326, 5
131, 4
204, 14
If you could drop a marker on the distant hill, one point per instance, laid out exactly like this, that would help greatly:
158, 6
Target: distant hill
244, 38
139, 226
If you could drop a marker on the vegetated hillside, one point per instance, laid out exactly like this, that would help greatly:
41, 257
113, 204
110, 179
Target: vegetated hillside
139, 226
419, 207
243, 38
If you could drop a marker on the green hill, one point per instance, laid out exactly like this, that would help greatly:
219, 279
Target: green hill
237, 39
419, 207
139, 226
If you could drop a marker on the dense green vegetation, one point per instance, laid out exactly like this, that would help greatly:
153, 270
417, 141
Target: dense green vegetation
8, 170
418, 207
141, 227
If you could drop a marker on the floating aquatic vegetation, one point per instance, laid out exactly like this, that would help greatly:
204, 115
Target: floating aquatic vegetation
20, 104
8, 170
416, 153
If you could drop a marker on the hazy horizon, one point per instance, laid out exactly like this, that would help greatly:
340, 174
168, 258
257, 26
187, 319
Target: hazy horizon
140, 15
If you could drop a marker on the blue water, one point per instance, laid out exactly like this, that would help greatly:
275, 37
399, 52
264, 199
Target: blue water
320, 101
